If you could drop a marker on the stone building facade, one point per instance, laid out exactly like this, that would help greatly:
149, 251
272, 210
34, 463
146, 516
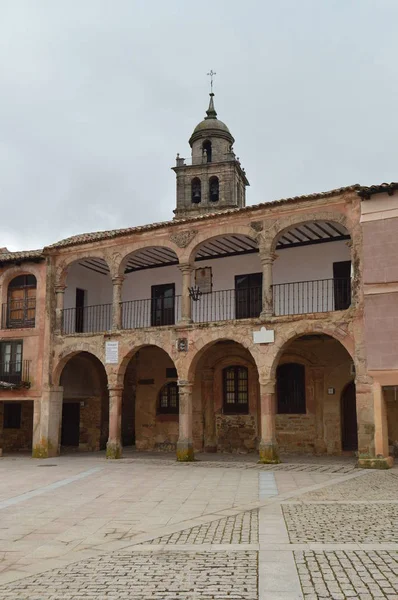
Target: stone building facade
231, 328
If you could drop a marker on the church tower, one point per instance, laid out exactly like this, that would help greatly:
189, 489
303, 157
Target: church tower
213, 179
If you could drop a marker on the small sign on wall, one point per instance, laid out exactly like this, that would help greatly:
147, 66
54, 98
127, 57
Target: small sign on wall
111, 353
204, 279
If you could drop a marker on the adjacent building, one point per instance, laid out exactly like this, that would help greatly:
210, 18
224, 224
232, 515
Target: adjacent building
231, 328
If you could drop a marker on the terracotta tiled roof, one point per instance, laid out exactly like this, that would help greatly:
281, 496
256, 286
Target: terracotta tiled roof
26, 255
86, 238
367, 192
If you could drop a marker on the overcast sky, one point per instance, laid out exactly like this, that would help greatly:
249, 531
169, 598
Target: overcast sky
98, 96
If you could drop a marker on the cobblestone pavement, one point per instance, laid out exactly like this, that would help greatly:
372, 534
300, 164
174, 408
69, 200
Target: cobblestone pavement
371, 486
239, 529
187, 576
347, 574
342, 523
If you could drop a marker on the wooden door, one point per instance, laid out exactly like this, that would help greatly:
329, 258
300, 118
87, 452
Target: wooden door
342, 284
163, 298
16, 302
70, 432
248, 295
80, 303
349, 425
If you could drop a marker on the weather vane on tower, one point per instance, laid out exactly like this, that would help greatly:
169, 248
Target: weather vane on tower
211, 75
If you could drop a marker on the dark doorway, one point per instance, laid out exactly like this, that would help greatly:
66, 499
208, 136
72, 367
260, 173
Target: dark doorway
349, 426
70, 432
248, 295
342, 284
163, 305
80, 302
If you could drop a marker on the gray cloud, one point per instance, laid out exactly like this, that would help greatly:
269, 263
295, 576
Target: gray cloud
98, 96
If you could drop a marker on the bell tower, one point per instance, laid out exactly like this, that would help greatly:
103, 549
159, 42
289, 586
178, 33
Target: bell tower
212, 179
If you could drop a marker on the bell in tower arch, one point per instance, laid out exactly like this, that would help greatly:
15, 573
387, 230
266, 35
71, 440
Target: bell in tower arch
196, 189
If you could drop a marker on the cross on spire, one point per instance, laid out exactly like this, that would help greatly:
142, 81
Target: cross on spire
211, 75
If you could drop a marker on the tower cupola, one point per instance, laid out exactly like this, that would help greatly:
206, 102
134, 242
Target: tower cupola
213, 179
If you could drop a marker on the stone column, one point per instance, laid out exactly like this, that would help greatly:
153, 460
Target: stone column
381, 427
59, 307
267, 258
268, 449
186, 303
114, 445
117, 302
185, 438
47, 420
319, 391
209, 433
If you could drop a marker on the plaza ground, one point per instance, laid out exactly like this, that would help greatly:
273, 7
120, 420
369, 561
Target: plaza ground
81, 527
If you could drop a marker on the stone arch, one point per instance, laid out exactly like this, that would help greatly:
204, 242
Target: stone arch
143, 245
284, 339
188, 255
63, 265
69, 353
121, 370
284, 224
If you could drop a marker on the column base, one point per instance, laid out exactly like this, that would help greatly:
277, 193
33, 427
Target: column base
377, 462
320, 447
268, 454
185, 452
44, 449
113, 450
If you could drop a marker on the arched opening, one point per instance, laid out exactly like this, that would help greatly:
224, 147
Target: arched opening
312, 269
225, 399
88, 297
85, 408
228, 273
151, 295
150, 401
214, 189
196, 190
312, 372
21, 302
349, 425
207, 151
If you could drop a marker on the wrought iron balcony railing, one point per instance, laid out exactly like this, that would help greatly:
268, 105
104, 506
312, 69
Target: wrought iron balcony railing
296, 298
87, 319
14, 374
18, 314
302, 297
152, 312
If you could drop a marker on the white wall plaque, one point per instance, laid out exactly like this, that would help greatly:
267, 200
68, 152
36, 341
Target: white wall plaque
264, 336
111, 353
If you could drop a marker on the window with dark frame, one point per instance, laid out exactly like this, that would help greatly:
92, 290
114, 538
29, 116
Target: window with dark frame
290, 383
168, 399
248, 295
21, 305
236, 390
12, 415
11, 361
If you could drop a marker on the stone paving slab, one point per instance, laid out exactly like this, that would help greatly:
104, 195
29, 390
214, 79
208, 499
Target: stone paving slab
345, 574
372, 486
342, 523
238, 529
156, 576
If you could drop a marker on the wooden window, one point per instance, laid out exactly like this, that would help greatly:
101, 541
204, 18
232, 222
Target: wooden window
11, 361
21, 306
248, 295
236, 390
163, 298
291, 388
12, 415
168, 399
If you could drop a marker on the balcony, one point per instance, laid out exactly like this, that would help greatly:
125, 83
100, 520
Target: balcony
14, 374
18, 314
296, 298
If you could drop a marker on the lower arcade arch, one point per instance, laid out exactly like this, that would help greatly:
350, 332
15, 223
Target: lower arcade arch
85, 406
225, 399
150, 402
314, 389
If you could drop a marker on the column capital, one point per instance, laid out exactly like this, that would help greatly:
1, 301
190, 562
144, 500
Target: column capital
118, 279
60, 288
184, 385
266, 257
185, 267
267, 386
115, 389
